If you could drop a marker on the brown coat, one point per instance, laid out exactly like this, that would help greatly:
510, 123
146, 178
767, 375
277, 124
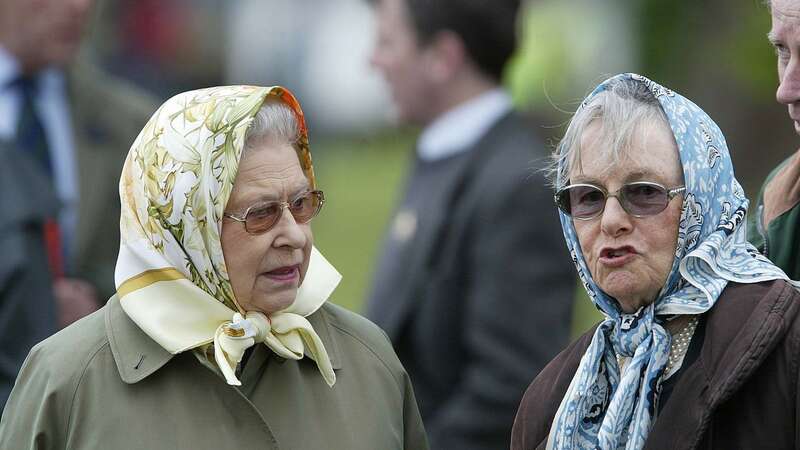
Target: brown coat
741, 392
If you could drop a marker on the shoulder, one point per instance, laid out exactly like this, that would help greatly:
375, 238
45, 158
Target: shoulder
775, 302
543, 396
42, 399
65, 355
515, 129
512, 160
356, 332
357, 335
514, 145
741, 303
753, 322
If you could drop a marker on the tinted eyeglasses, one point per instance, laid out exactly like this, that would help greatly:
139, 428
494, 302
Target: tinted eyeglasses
640, 199
261, 217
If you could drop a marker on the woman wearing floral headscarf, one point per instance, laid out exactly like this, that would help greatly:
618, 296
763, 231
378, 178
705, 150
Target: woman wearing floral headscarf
220, 335
701, 339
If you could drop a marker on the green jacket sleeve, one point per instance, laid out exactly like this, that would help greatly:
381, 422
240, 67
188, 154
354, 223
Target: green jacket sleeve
780, 241
33, 418
415, 436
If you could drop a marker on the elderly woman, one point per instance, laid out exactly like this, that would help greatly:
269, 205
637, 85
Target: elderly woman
219, 336
701, 342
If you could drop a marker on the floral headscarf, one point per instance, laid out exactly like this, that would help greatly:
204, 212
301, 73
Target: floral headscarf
171, 276
605, 409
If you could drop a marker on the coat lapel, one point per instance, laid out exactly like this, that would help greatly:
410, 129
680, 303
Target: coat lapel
135, 353
418, 251
422, 251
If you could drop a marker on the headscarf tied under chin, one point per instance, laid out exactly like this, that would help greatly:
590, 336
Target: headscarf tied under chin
171, 276
602, 409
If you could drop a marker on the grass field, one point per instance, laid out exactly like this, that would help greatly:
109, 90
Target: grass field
361, 179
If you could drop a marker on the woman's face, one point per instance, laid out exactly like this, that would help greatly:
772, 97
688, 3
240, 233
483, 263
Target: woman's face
629, 257
266, 269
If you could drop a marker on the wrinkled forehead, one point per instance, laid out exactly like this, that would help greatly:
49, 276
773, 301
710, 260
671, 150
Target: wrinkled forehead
641, 151
785, 26
785, 11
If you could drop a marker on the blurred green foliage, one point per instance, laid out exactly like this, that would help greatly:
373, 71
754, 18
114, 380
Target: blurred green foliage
751, 55
665, 30
680, 37
533, 72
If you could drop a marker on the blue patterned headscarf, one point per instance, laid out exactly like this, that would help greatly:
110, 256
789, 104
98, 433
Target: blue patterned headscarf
605, 409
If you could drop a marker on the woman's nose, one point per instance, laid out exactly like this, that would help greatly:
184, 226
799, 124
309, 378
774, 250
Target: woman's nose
288, 232
615, 221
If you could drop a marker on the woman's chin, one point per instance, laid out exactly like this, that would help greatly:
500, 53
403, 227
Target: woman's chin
629, 295
272, 303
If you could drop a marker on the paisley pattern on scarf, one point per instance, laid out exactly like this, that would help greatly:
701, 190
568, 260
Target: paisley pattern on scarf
171, 275
603, 409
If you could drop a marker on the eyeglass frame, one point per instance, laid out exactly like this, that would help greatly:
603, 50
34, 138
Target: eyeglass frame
242, 218
671, 193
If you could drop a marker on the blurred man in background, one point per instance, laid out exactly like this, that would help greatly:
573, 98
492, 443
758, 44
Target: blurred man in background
65, 129
777, 215
473, 287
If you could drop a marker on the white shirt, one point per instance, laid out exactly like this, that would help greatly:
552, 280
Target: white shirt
52, 106
460, 128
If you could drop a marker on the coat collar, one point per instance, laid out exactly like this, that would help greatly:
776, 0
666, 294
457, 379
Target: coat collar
460, 128
135, 353
137, 356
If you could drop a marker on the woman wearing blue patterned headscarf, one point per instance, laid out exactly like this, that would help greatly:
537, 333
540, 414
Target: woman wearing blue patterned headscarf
701, 338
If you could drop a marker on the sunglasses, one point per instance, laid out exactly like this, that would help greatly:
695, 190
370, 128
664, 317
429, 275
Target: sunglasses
640, 199
261, 217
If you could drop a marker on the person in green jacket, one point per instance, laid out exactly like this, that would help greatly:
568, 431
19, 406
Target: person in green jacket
220, 334
774, 228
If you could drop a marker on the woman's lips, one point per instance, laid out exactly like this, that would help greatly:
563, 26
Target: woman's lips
287, 274
617, 256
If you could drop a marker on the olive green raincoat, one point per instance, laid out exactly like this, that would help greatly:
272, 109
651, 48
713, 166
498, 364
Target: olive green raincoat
159, 366
104, 384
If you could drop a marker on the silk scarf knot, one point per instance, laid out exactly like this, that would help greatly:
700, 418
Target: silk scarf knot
287, 334
630, 330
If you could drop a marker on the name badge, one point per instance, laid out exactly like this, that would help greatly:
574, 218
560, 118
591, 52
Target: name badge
404, 225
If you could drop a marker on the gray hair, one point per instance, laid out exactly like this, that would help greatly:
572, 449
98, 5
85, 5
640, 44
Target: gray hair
620, 110
274, 122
